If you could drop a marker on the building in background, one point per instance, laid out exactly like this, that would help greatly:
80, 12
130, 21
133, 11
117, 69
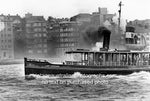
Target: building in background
68, 37
62, 36
69, 34
89, 23
36, 36
6, 38
81, 18
103, 18
53, 30
19, 36
98, 18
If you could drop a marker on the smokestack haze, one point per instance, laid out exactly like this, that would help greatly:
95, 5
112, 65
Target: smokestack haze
96, 34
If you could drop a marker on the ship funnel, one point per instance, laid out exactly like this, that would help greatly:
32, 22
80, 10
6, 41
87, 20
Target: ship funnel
106, 38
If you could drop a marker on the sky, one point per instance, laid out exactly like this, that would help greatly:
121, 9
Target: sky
131, 10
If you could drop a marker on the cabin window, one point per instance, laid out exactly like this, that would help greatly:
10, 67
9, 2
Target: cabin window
108, 57
77, 57
114, 57
90, 59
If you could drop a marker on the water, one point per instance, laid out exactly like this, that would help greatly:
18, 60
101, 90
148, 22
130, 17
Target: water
76, 87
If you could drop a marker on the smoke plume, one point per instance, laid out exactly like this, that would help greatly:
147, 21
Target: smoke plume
92, 35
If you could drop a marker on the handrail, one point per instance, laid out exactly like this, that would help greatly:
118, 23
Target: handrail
107, 63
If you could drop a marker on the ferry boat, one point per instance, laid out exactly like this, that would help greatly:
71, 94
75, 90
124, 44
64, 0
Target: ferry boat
94, 62
105, 61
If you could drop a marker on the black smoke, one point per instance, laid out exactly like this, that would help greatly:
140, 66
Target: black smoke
93, 34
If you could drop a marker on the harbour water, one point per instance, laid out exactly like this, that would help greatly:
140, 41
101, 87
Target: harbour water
76, 87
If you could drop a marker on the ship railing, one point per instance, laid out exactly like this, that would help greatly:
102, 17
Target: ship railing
145, 63
74, 63
125, 63
140, 63
37, 60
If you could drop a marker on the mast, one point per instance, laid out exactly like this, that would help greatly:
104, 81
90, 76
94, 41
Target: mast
121, 45
119, 11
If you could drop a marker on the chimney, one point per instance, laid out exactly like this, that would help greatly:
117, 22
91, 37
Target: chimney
106, 39
102, 11
28, 15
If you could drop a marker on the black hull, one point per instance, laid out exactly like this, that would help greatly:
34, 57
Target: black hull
84, 70
55, 71
36, 67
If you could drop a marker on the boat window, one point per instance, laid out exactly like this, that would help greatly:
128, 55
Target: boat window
77, 57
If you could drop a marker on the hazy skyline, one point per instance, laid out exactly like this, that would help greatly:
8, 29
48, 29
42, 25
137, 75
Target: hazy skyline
132, 9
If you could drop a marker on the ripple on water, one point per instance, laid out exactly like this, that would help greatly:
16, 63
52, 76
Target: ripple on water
13, 86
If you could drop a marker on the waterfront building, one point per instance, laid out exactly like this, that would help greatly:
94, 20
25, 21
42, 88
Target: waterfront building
65, 35
68, 37
89, 23
6, 38
53, 29
98, 18
81, 18
36, 36
62, 36
19, 36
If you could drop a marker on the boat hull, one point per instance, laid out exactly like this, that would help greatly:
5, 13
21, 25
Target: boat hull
68, 69
38, 67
